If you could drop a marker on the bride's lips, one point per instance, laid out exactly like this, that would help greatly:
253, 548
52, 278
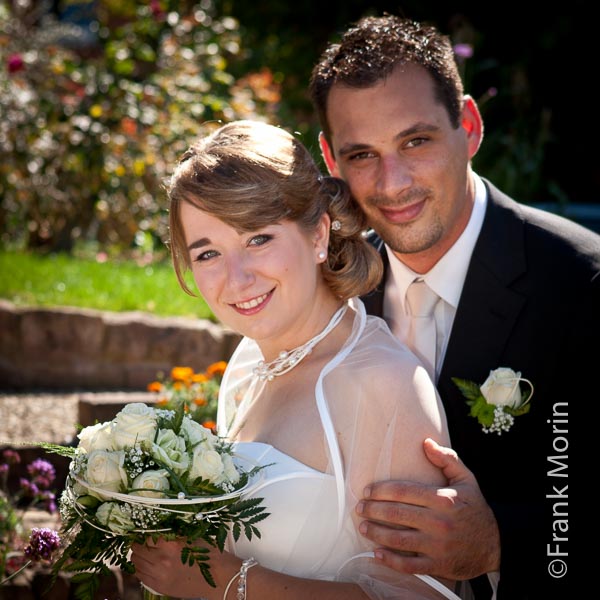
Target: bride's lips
402, 214
252, 305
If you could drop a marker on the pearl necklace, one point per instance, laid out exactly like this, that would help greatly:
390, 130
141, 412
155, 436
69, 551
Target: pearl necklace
288, 359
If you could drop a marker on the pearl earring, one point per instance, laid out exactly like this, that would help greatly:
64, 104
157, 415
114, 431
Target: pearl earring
322, 255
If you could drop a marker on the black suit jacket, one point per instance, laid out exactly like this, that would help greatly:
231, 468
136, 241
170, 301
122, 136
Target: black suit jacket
530, 302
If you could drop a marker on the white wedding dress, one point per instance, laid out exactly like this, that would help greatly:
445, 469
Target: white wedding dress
311, 529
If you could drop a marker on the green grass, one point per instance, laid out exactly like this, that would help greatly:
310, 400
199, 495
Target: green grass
60, 280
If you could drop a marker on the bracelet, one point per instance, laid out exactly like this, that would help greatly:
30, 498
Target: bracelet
247, 564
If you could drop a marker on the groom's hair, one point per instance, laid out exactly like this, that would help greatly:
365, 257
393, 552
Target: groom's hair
372, 48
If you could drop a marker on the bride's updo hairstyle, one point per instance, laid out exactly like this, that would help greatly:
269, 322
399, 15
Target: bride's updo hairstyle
249, 175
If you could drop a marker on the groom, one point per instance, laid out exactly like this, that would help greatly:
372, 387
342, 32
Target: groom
517, 287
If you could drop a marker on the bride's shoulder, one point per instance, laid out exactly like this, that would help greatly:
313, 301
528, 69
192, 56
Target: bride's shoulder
378, 358
377, 340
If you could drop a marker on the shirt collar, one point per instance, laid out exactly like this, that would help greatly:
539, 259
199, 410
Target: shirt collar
447, 276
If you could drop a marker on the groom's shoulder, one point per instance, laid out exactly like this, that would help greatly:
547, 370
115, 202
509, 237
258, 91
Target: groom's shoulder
544, 228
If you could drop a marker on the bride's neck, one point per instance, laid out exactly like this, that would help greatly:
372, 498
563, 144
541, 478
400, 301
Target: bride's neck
308, 325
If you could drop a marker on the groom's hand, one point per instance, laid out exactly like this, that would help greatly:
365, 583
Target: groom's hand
448, 532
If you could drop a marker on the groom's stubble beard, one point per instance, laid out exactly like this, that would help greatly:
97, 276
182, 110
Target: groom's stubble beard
405, 238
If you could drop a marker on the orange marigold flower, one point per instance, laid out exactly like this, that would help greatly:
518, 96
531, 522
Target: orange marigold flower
210, 425
181, 373
178, 385
155, 386
129, 126
217, 368
199, 378
199, 401
162, 402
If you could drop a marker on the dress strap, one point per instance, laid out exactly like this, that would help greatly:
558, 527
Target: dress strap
430, 581
438, 586
328, 427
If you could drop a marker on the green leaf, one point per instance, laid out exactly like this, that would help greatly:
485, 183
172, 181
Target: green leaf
515, 412
221, 538
88, 501
67, 451
469, 390
483, 412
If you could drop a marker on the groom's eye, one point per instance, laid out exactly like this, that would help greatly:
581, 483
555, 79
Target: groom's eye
361, 155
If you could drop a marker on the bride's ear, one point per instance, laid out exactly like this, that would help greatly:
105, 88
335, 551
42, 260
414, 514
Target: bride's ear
321, 237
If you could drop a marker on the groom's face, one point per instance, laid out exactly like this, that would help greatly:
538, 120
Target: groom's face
405, 163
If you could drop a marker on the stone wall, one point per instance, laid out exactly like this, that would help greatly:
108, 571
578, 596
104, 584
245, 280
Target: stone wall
81, 349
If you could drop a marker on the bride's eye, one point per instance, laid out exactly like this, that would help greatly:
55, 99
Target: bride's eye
259, 240
204, 256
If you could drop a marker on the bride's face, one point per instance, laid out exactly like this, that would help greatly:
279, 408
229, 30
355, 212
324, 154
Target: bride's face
265, 284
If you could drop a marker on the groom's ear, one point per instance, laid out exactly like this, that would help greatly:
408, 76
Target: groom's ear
327, 153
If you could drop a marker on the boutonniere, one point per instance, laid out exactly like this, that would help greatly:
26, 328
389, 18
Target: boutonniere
497, 402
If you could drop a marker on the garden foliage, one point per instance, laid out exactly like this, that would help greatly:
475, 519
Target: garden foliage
91, 120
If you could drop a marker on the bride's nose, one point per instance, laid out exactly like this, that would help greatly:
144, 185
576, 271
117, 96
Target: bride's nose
240, 273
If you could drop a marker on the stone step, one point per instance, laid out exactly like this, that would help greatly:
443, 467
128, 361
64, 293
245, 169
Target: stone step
55, 418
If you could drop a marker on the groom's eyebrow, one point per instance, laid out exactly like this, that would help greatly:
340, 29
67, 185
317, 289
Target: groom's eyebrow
199, 243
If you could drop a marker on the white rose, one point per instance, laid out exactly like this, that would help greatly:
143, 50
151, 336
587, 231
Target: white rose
151, 480
196, 434
105, 470
136, 423
79, 490
112, 515
231, 473
207, 464
96, 437
501, 388
170, 450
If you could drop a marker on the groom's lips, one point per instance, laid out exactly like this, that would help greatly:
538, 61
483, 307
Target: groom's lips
402, 214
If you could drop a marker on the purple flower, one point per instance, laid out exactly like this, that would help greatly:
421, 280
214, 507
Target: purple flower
42, 543
11, 457
15, 63
49, 500
42, 472
157, 12
29, 488
4, 469
463, 50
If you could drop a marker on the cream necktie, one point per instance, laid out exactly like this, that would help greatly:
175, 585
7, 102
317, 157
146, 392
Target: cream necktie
422, 334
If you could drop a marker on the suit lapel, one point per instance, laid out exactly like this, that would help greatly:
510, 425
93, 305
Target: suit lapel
373, 301
488, 308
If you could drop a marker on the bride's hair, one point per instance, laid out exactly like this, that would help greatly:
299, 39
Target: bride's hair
250, 174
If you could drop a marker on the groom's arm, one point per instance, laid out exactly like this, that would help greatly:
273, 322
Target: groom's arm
452, 529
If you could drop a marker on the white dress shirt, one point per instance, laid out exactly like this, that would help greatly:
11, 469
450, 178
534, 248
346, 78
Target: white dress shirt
446, 278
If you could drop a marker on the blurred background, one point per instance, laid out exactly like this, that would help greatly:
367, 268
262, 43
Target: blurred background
98, 98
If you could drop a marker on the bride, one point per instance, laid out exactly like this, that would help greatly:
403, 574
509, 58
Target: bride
318, 390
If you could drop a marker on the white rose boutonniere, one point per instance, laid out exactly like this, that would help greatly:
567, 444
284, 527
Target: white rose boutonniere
497, 402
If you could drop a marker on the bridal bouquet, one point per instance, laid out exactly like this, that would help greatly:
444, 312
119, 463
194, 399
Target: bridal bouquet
150, 472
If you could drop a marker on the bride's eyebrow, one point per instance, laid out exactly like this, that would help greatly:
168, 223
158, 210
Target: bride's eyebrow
199, 243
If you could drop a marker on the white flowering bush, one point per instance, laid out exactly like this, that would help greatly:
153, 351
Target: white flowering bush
150, 472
